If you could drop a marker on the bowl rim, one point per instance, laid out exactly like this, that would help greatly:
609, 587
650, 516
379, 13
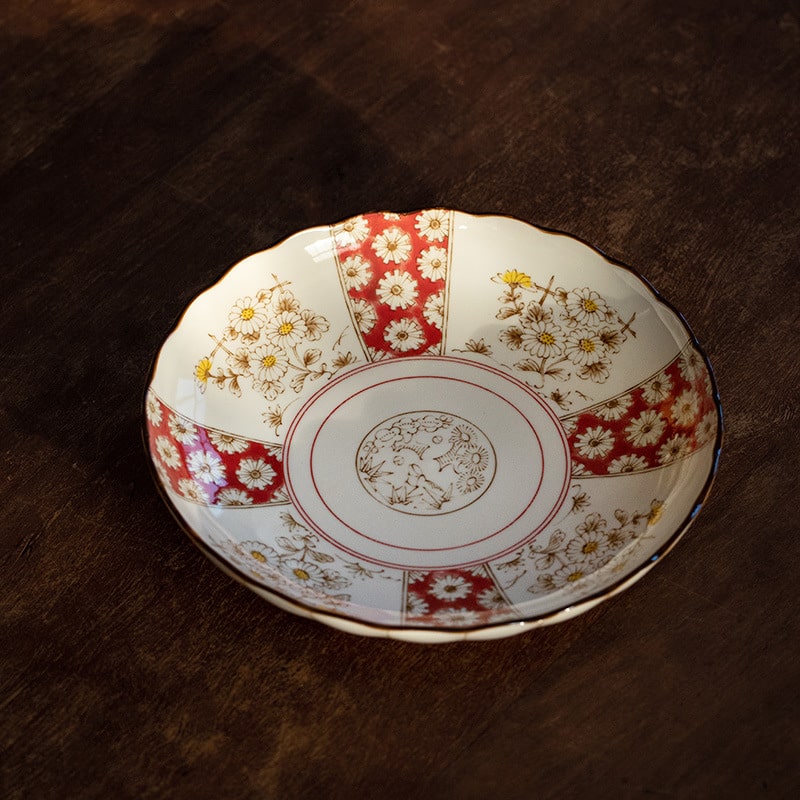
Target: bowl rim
446, 633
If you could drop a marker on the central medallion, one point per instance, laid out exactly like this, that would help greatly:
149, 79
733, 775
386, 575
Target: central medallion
426, 462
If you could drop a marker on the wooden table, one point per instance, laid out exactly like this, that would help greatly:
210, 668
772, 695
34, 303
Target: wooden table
149, 145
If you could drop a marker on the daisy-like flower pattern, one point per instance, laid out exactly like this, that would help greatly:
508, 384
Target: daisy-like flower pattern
168, 453
182, 430
627, 463
404, 334
433, 310
397, 289
248, 316
153, 410
432, 263
584, 348
227, 442
260, 552
677, 446
657, 389
586, 308
286, 329
614, 408
646, 429
707, 428
416, 605
303, 572
268, 363
451, 588
255, 473
686, 408
193, 491
393, 245
542, 339
456, 617
570, 574
595, 442
590, 546
364, 315
433, 225
234, 497
690, 364
206, 466
356, 272
351, 232
491, 598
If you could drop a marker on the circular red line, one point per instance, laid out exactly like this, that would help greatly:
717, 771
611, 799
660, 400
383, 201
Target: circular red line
472, 364
424, 549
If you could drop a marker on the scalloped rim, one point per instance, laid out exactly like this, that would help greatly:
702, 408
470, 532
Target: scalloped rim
441, 634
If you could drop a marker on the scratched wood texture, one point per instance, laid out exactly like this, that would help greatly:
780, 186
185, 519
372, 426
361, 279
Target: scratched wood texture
146, 146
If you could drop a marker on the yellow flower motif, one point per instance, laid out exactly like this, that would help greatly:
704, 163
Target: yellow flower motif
514, 278
656, 510
203, 370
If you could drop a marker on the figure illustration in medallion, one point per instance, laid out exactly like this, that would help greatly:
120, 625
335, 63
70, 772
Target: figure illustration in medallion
425, 462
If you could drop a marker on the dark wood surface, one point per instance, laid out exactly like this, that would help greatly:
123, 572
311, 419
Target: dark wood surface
147, 146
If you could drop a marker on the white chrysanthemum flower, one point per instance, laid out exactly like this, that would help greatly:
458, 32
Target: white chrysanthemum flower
627, 463
586, 308
351, 232
392, 245
646, 429
364, 315
227, 442
206, 467
234, 497
456, 617
676, 447
268, 363
167, 452
193, 491
433, 225
451, 588
432, 263
404, 335
686, 408
584, 348
657, 389
255, 473
182, 430
286, 329
416, 605
153, 410
356, 272
397, 289
434, 310
247, 316
614, 408
595, 442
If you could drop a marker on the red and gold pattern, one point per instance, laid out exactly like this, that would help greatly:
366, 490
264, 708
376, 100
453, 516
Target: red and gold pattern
394, 271
660, 421
212, 467
455, 597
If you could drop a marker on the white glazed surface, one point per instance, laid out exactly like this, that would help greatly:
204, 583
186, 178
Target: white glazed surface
433, 426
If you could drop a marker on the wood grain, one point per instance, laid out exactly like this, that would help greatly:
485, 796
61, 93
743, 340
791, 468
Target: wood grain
146, 147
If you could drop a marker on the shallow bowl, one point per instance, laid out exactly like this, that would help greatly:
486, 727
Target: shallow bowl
433, 426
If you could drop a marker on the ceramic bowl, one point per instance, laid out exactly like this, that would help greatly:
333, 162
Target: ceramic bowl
433, 426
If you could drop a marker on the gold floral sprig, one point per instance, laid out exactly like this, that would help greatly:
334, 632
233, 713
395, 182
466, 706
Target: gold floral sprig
266, 344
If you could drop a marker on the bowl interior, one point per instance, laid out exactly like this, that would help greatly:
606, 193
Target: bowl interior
433, 422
